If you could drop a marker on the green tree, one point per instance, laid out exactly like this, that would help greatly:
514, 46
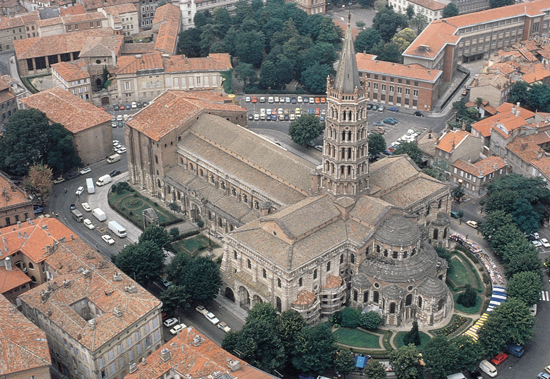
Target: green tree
375, 370
441, 356
39, 181
450, 10
525, 216
222, 21
350, 317
314, 349
529, 261
287, 326
249, 47
460, 216
388, 52
419, 23
387, 22
366, 40
361, 24
525, 286
413, 336
412, 150
505, 190
539, 97
305, 129
245, 73
262, 311
365, 4
500, 3
458, 192
519, 92
269, 76
174, 297
510, 322
468, 297
200, 276
144, 262
405, 364
503, 236
494, 222
380, 4
404, 38
409, 12
370, 320
344, 362
515, 248
377, 144
156, 234
189, 43
470, 352
31, 138
315, 77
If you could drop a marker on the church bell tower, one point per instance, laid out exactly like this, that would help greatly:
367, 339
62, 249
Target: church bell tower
346, 149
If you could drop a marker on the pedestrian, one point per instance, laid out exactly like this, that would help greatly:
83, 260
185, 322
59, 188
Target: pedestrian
65, 190
56, 214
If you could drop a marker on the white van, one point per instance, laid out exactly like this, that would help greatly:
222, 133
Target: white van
458, 375
105, 179
116, 228
90, 185
99, 214
488, 368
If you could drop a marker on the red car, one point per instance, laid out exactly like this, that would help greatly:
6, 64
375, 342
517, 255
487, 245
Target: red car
254, 99
323, 100
499, 358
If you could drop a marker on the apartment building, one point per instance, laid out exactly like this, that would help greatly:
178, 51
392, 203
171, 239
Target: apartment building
189, 8
461, 39
474, 177
310, 6
495, 88
454, 145
73, 77
147, 11
144, 77
24, 349
433, 10
410, 86
97, 320
123, 17
17, 28
15, 204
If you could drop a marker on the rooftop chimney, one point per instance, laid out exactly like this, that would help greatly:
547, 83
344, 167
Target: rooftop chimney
7, 263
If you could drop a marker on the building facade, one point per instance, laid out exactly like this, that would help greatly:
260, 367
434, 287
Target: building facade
73, 77
433, 10
474, 177
15, 203
311, 6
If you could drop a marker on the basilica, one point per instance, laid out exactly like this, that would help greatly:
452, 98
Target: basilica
299, 236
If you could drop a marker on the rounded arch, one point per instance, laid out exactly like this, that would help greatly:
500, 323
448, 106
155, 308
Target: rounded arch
228, 293
244, 297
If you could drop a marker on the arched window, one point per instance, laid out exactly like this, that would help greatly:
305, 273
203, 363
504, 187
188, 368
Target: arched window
31, 266
278, 304
352, 258
367, 251
377, 248
436, 233
405, 254
445, 233
279, 282
300, 282
256, 205
342, 258
249, 264
440, 203
233, 191
315, 274
408, 299
264, 273
366, 297
245, 199
395, 254
222, 185
419, 301
235, 254
201, 173
328, 266
413, 252
440, 304
386, 253
156, 159
355, 295
375, 296
392, 307
220, 222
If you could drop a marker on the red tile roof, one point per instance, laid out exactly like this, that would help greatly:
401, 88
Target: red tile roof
61, 106
119, 9
169, 18
73, 70
452, 139
23, 346
177, 63
411, 71
481, 168
74, 9
305, 298
173, 108
333, 282
192, 355
14, 197
534, 72
429, 4
12, 279
18, 21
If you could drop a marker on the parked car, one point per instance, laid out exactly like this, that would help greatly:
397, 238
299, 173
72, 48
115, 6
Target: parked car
419, 114
223, 326
178, 328
293, 100
38, 210
393, 109
536, 243
247, 99
212, 318
389, 121
543, 375
306, 99
378, 123
128, 106
88, 224
262, 99
165, 282
536, 235
300, 99
533, 311
86, 207
115, 173
270, 99
107, 238
59, 180
79, 191
381, 108
374, 107
544, 242
499, 359
85, 170
473, 224
73, 207
201, 309
254, 99
454, 214
171, 321
369, 107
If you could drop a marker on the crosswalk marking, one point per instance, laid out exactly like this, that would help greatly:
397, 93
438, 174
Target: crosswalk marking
544, 296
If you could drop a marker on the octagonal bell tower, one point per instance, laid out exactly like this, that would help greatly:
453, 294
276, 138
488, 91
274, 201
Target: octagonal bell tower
346, 149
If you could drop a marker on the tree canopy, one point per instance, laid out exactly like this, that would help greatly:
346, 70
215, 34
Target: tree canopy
500, 3
387, 21
377, 144
535, 96
366, 40
450, 10
200, 276
305, 129
525, 286
156, 234
412, 150
405, 364
314, 349
39, 181
144, 262
31, 138
404, 38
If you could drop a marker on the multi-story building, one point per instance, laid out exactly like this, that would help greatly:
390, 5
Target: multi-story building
453, 145
189, 8
186, 355
17, 28
410, 86
144, 77
73, 77
97, 320
311, 6
87, 21
15, 204
433, 10
495, 88
147, 11
24, 349
474, 177
297, 235
166, 27
461, 39
89, 125
471, 6
9, 90
122, 17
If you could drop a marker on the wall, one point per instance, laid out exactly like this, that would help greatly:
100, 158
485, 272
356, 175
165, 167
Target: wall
95, 143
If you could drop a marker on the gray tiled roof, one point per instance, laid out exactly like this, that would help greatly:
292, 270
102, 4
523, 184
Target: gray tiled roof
398, 231
414, 191
433, 288
393, 292
390, 172
370, 210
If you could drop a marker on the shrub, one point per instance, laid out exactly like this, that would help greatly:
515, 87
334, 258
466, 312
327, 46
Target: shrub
155, 204
335, 318
174, 232
113, 187
486, 279
467, 298
131, 213
200, 223
370, 320
122, 208
135, 195
350, 317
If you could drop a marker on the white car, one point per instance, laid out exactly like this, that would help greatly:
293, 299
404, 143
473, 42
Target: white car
545, 242
536, 243
178, 328
212, 318
223, 326
117, 144
107, 238
59, 180
79, 191
247, 99
300, 100
85, 170
115, 141
473, 224
86, 207
171, 321
88, 224
201, 309
121, 150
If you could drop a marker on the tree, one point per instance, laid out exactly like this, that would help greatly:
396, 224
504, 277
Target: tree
412, 150
516, 247
144, 262
287, 326
506, 189
460, 216
315, 77
377, 144
404, 38
525, 286
200, 276
245, 73
409, 11
380, 4
305, 129
350, 317
388, 52
364, 4
519, 92
31, 138
39, 181
189, 43
503, 236
314, 349
524, 262
375, 370
249, 47
494, 222
387, 22
510, 322
458, 192
467, 298
419, 23
405, 364
441, 356
156, 234
344, 362
174, 297
262, 311
366, 40
370, 320
361, 24
500, 3
412, 337
525, 216
470, 352
539, 97
450, 10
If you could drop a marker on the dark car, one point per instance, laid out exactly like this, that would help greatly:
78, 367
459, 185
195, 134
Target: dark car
38, 210
114, 173
73, 207
128, 106
72, 175
139, 104
306, 99
369, 107
251, 116
287, 117
419, 114
293, 100
393, 109
454, 214
475, 375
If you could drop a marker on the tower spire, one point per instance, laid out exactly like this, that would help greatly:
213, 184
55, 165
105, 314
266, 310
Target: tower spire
347, 76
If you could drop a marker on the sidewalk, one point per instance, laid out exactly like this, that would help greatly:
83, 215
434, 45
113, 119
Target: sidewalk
236, 310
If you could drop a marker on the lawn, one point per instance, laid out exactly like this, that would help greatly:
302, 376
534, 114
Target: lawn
192, 245
357, 338
131, 205
472, 310
461, 274
424, 338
